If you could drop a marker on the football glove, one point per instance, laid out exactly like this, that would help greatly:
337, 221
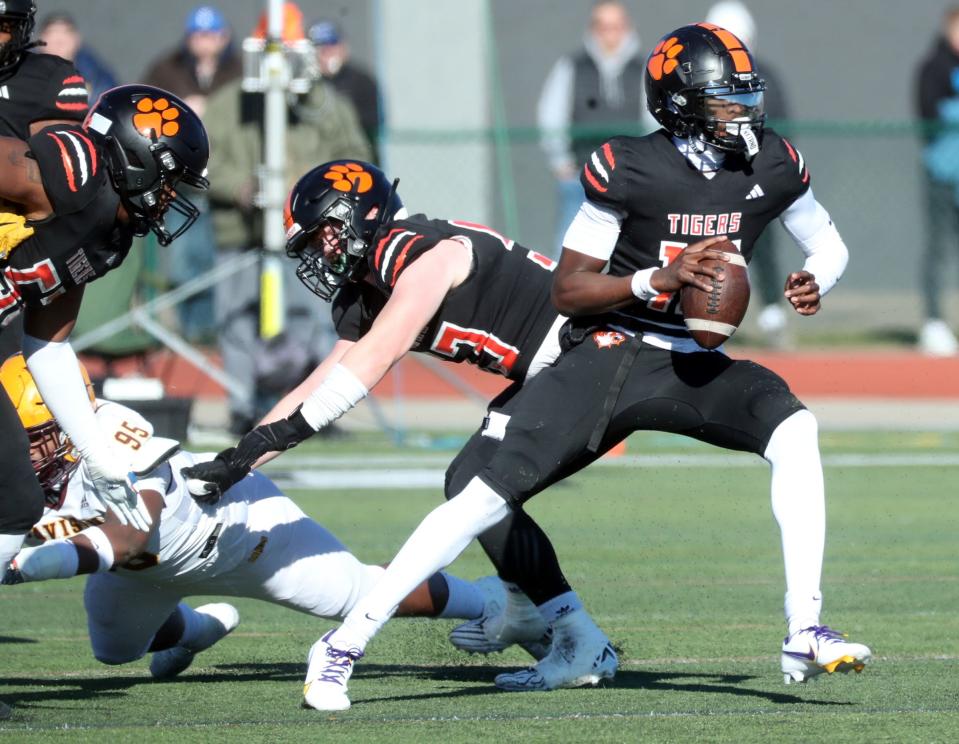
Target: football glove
124, 500
13, 231
208, 481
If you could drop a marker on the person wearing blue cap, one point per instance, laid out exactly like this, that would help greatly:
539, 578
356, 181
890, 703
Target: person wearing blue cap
349, 79
204, 61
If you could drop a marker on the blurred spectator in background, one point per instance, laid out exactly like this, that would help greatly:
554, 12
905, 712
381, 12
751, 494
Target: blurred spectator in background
203, 61
323, 126
590, 95
767, 276
351, 80
937, 102
61, 37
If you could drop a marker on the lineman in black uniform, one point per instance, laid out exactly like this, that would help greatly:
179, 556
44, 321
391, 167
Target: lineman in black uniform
85, 192
450, 288
654, 207
36, 90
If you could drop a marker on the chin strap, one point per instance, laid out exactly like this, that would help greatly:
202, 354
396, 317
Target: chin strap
748, 136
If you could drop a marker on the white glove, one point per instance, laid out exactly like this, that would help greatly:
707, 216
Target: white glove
124, 500
103, 465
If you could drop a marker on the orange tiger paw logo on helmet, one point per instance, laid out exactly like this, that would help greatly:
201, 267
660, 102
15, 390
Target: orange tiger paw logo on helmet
344, 176
663, 61
156, 117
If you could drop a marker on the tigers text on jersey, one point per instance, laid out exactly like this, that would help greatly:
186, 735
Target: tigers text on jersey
192, 539
497, 319
82, 240
667, 204
40, 87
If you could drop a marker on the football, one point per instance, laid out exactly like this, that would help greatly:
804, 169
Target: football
712, 317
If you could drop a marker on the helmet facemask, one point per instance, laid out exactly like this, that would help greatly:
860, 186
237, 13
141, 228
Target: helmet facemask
54, 460
333, 250
148, 207
330, 252
728, 118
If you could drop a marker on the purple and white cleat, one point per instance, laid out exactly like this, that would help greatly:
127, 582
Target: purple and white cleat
812, 651
328, 671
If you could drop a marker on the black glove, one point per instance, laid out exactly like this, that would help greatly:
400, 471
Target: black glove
208, 481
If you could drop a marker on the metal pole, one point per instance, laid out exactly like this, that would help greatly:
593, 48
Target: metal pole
273, 173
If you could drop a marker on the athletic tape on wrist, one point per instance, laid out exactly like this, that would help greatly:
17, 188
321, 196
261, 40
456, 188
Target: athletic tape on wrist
340, 391
640, 284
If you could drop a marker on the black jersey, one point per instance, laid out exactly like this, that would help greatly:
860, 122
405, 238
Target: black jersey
667, 204
40, 87
81, 240
496, 319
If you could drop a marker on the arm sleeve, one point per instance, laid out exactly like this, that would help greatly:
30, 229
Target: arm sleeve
809, 224
594, 231
56, 371
553, 114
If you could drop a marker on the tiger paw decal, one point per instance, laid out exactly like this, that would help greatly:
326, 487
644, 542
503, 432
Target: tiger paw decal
156, 117
345, 175
663, 61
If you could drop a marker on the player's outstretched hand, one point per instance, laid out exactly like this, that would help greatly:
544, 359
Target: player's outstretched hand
208, 481
124, 500
802, 292
688, 267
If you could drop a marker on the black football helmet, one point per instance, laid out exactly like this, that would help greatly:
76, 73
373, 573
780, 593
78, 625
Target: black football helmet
340, 194
16, 18
701, 82
152, 142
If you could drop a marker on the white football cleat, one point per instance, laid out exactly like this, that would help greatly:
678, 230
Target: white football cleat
220, 620
812, 651
509, 617
581, 655
328, 671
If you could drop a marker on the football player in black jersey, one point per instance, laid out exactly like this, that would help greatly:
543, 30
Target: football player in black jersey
36, 90
451, 288
654, 207
83, 193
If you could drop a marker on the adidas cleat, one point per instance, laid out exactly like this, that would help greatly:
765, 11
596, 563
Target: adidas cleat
812, 651
506, 620
580, 656
220, 619
327, 674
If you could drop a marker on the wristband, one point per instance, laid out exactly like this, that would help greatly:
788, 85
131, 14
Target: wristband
641, 286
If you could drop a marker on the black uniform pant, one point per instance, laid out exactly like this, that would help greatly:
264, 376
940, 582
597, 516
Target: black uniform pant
557, 416
21, 497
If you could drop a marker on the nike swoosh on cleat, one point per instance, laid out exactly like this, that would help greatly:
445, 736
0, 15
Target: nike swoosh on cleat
810, 655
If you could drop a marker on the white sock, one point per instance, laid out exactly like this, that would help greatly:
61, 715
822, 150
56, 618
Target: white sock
799, 506
465, 601
557, 607
439, 539
194, 625
9, 547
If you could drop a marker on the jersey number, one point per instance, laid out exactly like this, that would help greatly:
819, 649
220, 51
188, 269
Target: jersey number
450, 338
42, 273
